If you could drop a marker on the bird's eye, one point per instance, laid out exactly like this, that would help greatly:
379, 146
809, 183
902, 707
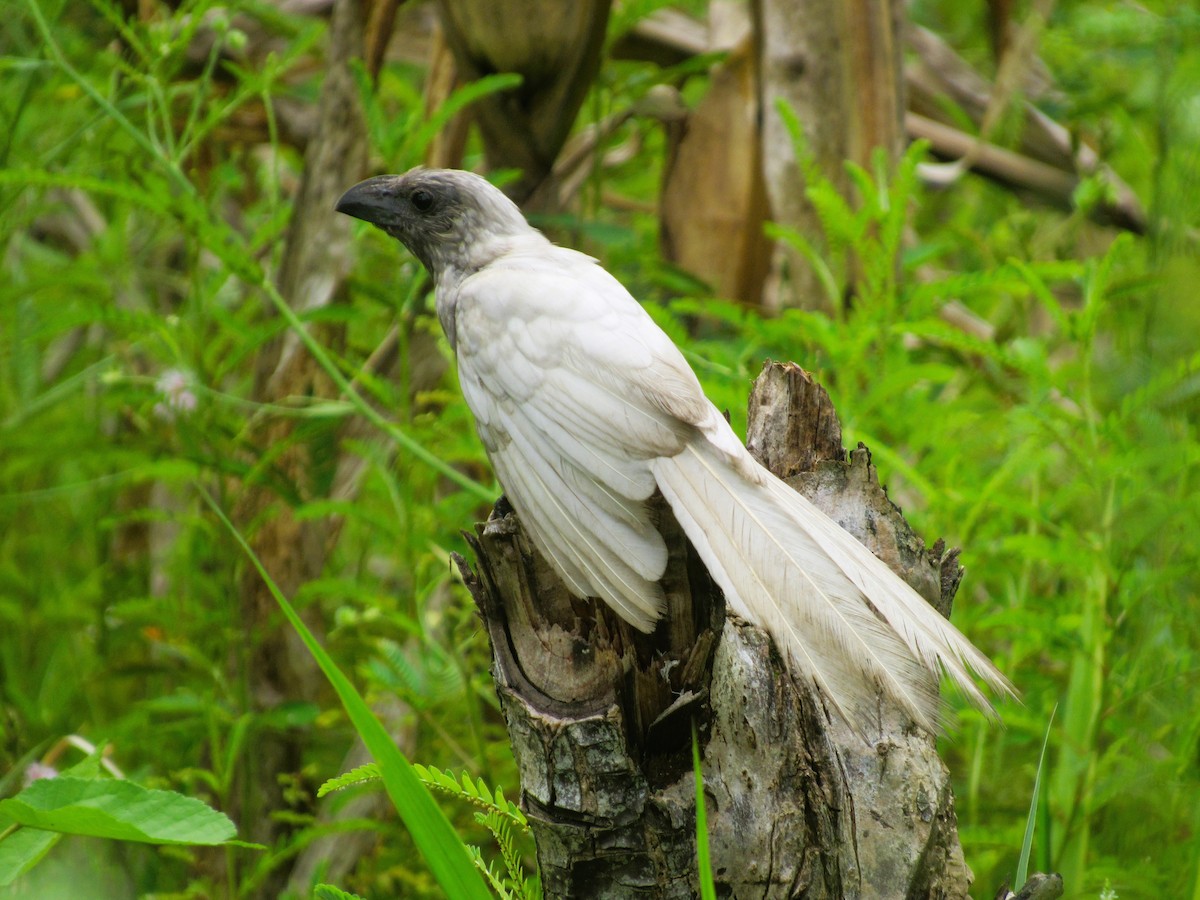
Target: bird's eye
421, 200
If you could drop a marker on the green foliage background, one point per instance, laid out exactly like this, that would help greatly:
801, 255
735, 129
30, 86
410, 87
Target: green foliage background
1063, 455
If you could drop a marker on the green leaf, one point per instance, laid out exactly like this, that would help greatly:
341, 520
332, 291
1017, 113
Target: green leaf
1027, 841
802, 245
708, 890
419, 139
476, 792
21, 849
117, 809
329, 892
360, 775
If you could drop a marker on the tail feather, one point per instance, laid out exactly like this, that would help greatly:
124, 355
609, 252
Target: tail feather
928, 633
840, 615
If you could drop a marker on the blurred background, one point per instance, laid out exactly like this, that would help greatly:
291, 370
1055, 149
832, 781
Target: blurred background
975, 223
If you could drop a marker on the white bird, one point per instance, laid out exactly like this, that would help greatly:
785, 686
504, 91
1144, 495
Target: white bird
586, 407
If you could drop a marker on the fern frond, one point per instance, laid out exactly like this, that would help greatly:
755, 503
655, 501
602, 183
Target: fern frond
329, 892
443, 678
393, 668
494, 877
501, 828
361, 775
938, 332
802, 245
475, 791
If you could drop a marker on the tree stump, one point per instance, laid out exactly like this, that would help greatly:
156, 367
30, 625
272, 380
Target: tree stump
600, 715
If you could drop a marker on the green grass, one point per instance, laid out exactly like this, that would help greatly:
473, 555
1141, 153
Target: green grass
1063, 455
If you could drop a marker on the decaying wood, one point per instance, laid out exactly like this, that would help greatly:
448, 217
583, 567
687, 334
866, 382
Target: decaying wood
838, 69
937, 74
1012, 169
1048, 161
1038, 887
732, 165
714, 200
599, 716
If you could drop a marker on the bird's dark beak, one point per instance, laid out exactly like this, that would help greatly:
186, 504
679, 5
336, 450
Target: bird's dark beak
373, 200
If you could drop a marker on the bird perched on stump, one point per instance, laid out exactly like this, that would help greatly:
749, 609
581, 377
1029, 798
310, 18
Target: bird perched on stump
586, 408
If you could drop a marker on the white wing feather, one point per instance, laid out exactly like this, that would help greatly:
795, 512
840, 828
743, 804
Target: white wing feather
585, 407
567, 443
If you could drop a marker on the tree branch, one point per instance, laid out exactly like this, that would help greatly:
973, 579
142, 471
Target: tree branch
599, 715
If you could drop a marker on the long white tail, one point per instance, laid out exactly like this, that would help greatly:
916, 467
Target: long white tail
841, 617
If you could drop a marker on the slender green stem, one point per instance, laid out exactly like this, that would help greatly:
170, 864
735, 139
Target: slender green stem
708, 890
365, 409
178, 179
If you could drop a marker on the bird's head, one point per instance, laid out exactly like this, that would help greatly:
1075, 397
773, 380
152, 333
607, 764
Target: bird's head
447, 218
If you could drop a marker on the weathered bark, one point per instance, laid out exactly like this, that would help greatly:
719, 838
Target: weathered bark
838, 67
714, 200
599, 715
714, 179
1038, 887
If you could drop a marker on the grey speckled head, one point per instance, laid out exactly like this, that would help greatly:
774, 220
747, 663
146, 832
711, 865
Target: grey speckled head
446, 217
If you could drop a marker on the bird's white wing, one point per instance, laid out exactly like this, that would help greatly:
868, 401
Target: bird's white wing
586, 407
574, 392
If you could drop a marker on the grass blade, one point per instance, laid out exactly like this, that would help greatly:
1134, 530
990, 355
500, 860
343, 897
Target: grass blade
445, 853
708, 890
1027, 842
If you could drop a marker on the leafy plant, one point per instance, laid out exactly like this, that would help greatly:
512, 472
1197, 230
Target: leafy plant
424, 820
82, 801
142, 217
496, 813
1049, 452
151, 326
1031, 822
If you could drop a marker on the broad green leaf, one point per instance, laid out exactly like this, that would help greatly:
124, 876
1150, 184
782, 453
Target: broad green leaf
1027, 841
21, 849
117, 809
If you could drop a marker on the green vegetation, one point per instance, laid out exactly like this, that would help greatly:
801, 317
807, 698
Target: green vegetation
140, 231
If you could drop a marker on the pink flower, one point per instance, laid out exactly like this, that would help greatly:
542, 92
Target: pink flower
176, 388
36, 770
